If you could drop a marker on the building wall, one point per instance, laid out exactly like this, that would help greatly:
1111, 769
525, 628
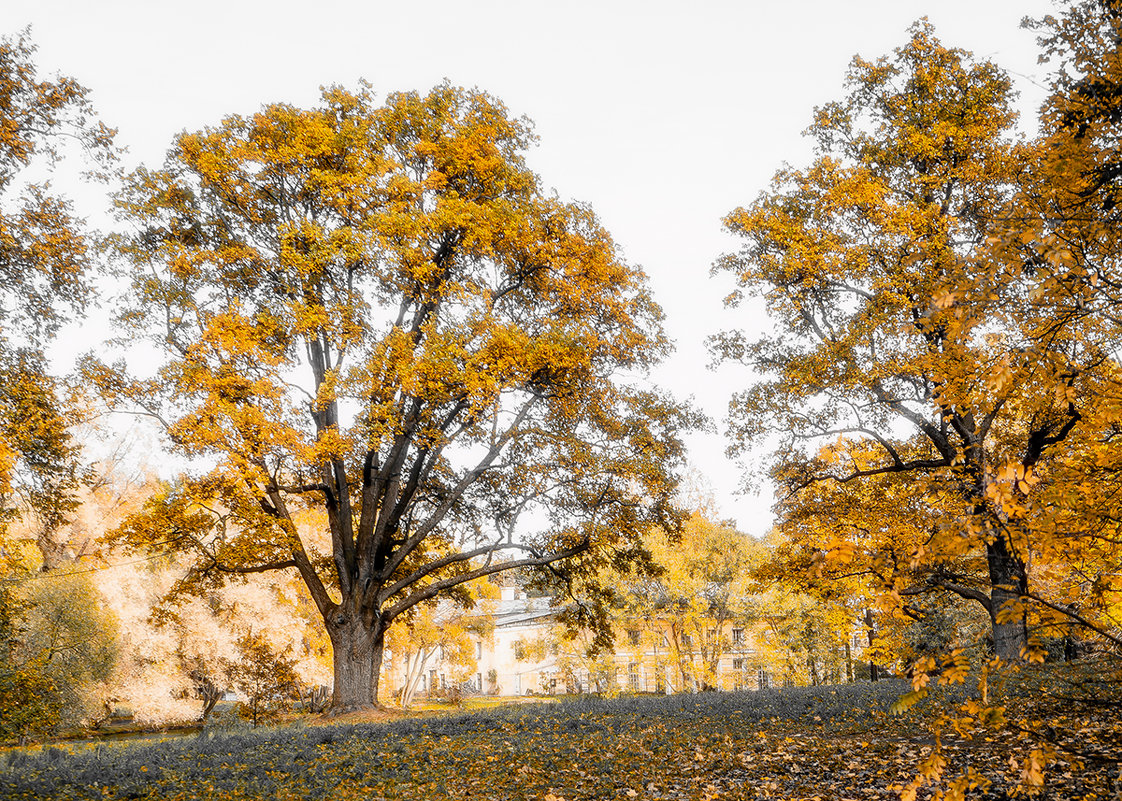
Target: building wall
521, 656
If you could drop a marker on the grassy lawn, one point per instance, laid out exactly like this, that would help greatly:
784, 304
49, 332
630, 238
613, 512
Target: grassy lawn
827, 743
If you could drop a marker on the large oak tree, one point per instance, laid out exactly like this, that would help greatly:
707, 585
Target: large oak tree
375, 311
917, 337
944, 374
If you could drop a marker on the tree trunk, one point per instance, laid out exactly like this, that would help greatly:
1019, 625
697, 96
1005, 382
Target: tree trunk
414, 674
871, 631
51, 548
211, 696
357, 648
407, 685
1008, 583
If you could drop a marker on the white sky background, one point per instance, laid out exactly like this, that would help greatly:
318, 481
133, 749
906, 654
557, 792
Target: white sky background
664, 116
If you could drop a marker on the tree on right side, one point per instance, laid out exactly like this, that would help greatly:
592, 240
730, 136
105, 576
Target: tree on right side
943, 382
909, 355
1074, 206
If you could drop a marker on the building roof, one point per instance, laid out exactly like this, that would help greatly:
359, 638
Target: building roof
504, 613
521, 611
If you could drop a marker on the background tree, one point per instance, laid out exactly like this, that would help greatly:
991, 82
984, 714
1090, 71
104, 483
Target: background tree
60, 646
44, 282
801, 629
68, 624
699, 595
579, 657
29, 703
671, 613
265, 676
905, 342
441, 627
376, 311
174, 660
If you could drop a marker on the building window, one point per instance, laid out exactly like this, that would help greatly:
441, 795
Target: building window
687, 641
479, 650
763, 680
633, 677
633, 635
738, 636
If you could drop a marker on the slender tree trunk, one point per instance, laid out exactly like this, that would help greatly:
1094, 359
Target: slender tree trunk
413, 669
211, 696
1070, 651
357, 647
415, 672
410, 690
51, 548
1008, 583
871, 631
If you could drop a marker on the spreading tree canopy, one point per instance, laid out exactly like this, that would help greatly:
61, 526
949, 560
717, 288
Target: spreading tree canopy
924, 347
44, 281
943, 374
1070, 211
377, 313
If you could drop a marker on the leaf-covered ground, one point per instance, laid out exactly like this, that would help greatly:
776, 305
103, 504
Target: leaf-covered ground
826, 743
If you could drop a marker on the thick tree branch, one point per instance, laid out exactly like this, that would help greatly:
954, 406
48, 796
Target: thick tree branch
1067, 611
457, 491
930, 431
437, 587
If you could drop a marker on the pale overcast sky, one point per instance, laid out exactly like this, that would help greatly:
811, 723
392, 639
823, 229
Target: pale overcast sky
664, 116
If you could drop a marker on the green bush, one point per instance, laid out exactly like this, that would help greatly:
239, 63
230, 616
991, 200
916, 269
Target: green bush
57, 643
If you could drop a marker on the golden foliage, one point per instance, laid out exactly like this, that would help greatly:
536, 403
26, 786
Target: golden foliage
44, 281
942, 373
376, 311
